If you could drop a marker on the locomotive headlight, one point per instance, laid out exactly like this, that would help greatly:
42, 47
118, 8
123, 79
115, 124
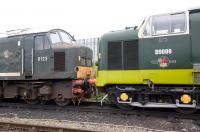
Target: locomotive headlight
185, 98
124, 96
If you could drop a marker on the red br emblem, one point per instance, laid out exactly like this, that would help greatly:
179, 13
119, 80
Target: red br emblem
163, 61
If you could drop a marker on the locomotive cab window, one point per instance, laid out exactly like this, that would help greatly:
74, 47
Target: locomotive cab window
178, 23
160, 25
55, 38
85, 62
89, 62
65, 37
167, 24
41, 42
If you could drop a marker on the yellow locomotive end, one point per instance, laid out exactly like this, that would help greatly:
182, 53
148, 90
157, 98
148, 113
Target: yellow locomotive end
84, 72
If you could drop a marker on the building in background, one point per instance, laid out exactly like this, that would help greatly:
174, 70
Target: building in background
91, 43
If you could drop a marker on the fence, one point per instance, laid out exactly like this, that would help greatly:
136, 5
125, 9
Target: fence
92, 43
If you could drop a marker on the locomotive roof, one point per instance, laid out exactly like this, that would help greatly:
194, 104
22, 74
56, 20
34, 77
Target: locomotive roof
196, 9
28, 32
131, 33
126, 34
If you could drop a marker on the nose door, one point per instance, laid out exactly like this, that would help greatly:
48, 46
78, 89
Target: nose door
43, 58
195, 35
28, 56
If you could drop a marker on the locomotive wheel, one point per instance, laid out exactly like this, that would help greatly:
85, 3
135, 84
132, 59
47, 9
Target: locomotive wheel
31, 101
113, 99
63, 102
186, 110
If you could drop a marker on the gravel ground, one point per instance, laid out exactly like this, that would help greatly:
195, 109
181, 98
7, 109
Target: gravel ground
97, 121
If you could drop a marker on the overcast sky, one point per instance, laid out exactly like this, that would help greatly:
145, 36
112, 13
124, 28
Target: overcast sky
84, 18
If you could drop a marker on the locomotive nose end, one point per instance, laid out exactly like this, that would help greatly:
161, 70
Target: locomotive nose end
83, 72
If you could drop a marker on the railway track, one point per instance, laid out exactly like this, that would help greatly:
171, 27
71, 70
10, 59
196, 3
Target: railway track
31, 126
166, 113
21, 127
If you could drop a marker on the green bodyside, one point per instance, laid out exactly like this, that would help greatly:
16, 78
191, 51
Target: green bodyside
180, 58
129, 34
195, 36
184, 52
10, 58
26, 57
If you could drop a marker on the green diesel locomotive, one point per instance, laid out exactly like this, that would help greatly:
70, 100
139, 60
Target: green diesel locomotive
43, 66
154, 66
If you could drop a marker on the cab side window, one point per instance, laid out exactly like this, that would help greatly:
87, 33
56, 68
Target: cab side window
54, 36
41, 42
65, 37
165, 25
160, 25
178, 23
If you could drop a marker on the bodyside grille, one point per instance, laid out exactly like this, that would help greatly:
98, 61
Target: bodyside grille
59, 61
114, 55
130, 55
123, 55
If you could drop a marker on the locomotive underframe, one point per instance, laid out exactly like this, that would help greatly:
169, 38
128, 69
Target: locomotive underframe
61, 91
156, 96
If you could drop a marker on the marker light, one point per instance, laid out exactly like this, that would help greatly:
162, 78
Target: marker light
185, 98
124, 96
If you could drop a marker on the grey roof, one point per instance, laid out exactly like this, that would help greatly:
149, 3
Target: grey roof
194, 9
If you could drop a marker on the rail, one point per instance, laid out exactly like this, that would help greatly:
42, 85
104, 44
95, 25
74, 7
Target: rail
8, 126
94, 107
